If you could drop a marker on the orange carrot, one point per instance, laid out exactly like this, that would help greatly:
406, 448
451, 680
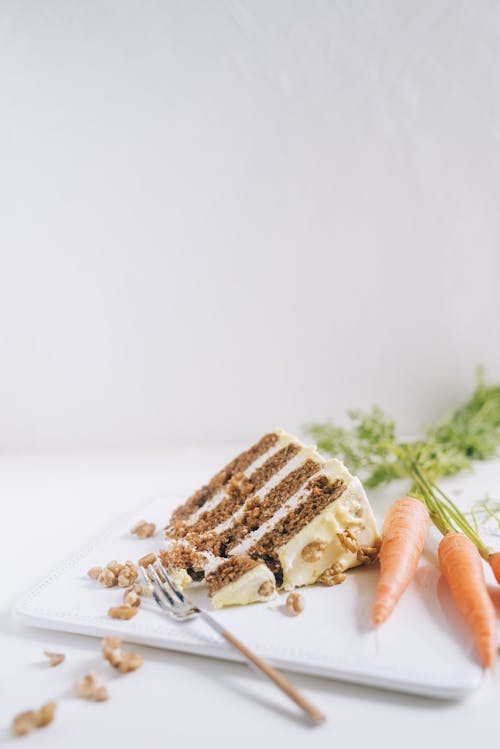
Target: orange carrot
494, 562
462, 568
403, 537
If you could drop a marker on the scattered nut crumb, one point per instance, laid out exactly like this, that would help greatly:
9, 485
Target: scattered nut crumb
132, 595
143, 529
94, 572
294, 604
122, 612
313, 551
115, 567
267, 588
25, 722
54, 658
127, 575
88, 688
348, 541
107, 578
120, 659
147, 559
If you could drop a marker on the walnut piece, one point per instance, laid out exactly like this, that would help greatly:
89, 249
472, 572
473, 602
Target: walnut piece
127, 575
367, 554
332, 576
88, 688
115, 567
348, 541
294, 604
143, 529
132, 595
120, 659
313, 551
147, 559
94, 572
107, 578
122, 612
54, 658
267, 588
25, 722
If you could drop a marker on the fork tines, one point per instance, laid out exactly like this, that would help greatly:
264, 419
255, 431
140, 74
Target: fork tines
166, 593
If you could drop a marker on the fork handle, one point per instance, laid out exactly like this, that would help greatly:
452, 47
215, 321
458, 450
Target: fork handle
316, 715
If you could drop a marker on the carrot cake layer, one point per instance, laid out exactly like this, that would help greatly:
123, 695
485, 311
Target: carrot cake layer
279, 514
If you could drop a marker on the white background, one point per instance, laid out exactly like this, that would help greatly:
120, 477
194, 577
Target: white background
218, 217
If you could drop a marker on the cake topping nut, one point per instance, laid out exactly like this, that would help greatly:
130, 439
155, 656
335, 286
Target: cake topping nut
128, 575
143, 529
107, 578
88, 688
348, 541
267, 588
294, 604
122, 612
25, 722
94, 572
54, 658
120, 659
313, 551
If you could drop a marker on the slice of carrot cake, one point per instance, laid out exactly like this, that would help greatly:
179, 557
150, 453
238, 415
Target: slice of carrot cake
279, 515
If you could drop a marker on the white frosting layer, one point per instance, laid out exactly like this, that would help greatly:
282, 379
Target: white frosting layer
245, 589
350, 511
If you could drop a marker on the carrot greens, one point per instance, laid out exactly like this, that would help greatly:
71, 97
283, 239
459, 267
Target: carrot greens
370, 446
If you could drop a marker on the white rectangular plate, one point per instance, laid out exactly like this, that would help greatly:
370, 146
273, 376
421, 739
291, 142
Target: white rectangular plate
423, 648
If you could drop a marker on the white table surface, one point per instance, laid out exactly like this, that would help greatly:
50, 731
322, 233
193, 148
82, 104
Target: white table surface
52, 503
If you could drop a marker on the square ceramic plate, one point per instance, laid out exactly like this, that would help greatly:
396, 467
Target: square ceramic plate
424, 648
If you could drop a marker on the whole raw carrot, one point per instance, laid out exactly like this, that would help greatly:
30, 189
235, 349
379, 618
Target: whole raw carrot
462, 568
494, 562
403, 537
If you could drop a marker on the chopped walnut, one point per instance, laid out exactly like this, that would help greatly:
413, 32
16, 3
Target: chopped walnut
54, 658
143, 529
120, 659
115, 567
88, 688
348, 541
294, 604
25, 722
122, 612
46, 714
267, 588
313, 551
332, 576
147, 559
128, 575
367, 554
94, 572
107, 578
132, 595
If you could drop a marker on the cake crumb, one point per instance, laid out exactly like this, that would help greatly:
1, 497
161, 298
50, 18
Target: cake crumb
294, 604
122, 612
143, 529
25, 722
54, 658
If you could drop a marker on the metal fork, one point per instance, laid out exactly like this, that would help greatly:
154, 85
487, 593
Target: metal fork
173, 601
